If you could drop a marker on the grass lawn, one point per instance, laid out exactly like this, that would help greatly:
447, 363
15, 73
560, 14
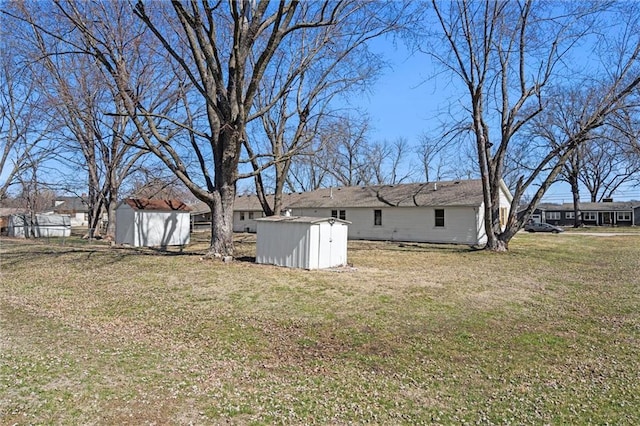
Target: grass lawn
548, 333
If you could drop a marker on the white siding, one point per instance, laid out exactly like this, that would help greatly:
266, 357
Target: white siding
301, 244
246, 224
291, 246
332, 244
43, 226
159, 229
409, 224
125, 225
151, 228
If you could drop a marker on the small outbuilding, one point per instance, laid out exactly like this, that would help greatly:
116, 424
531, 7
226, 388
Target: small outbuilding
302, 242
152, 223
39, 225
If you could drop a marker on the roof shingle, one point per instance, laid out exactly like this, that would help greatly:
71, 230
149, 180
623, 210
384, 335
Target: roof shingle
436, 194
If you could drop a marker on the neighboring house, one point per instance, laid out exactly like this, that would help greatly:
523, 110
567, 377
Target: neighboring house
246, 210
439, 212
75, 207
39, 225
302, 242
152, 223
593, 214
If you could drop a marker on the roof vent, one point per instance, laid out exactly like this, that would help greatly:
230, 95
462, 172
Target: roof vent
607, 200
435, 186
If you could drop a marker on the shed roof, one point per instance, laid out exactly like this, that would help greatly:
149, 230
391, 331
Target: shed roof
301, 219
432, 194
156, 205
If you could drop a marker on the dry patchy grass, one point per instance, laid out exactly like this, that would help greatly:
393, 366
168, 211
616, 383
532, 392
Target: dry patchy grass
412, 334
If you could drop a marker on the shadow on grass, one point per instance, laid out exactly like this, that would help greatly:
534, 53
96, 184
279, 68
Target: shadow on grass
14, 252
413, 247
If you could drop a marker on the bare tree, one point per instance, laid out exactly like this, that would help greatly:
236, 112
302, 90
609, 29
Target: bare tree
607, 165
35, 195
566, 110
92, 121
318, 65
431, 152
223, 49
23, 126
388, 162
346, 145
507, 55
156, 182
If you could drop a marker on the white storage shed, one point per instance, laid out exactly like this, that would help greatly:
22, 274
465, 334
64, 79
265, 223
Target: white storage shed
153, 223
302, 242
39, 226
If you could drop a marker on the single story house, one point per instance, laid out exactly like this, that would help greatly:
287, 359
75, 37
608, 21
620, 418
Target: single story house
438, 212
75, 207
152, 223
593, 214
302, 242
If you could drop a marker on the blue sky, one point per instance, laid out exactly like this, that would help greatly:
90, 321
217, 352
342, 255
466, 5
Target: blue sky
406, 100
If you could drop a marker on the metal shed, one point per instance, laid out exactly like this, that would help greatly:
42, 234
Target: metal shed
152, 223
39, 225
302, 242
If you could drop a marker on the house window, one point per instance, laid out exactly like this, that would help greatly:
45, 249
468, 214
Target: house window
377, 217
553, 215
440, 218
569, 215
624, 216
250, 215
589, 216
339, 214
241, 215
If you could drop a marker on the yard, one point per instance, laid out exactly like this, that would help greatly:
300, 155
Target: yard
412, 334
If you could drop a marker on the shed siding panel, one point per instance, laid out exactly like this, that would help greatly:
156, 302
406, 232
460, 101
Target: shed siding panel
125, 226
302, 244
159, 229
290, 249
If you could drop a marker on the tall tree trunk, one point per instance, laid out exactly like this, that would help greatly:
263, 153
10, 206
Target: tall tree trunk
222, 222
224, 194
575, 191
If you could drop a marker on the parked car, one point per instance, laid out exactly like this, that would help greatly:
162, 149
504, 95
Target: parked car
542, 227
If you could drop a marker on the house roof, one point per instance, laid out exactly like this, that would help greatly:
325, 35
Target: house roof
67, 204
433, 194
300, 219
600, 207
156, 205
